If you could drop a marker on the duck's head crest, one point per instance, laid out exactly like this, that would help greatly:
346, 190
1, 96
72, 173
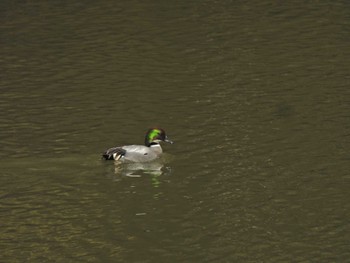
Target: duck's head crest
155, 136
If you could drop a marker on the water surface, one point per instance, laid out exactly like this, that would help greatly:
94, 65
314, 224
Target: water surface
255, 96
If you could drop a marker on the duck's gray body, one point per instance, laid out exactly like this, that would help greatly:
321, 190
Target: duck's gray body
134, 153
139, 153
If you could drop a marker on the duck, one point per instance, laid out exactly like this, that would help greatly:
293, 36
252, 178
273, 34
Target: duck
140, 153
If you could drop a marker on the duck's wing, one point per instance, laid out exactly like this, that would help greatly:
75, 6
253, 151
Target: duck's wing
131, 153
114, 153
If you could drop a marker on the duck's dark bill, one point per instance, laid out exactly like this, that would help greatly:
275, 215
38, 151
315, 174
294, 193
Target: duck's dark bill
169, 141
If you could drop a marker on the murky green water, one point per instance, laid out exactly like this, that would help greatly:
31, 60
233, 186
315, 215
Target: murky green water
254, 94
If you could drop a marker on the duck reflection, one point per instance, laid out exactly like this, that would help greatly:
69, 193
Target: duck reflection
155, 169
139, 169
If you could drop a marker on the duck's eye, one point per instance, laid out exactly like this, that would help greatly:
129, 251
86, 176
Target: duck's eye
145, 154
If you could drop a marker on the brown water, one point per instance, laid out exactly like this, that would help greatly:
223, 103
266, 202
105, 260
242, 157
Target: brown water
255, 95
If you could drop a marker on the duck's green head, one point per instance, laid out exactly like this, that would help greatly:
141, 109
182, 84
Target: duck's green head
155, 136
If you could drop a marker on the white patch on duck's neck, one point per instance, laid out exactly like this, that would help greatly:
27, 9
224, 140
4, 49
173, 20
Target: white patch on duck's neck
156, 148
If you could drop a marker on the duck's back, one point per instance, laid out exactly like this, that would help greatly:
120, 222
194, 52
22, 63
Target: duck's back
139, 153
133, 153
